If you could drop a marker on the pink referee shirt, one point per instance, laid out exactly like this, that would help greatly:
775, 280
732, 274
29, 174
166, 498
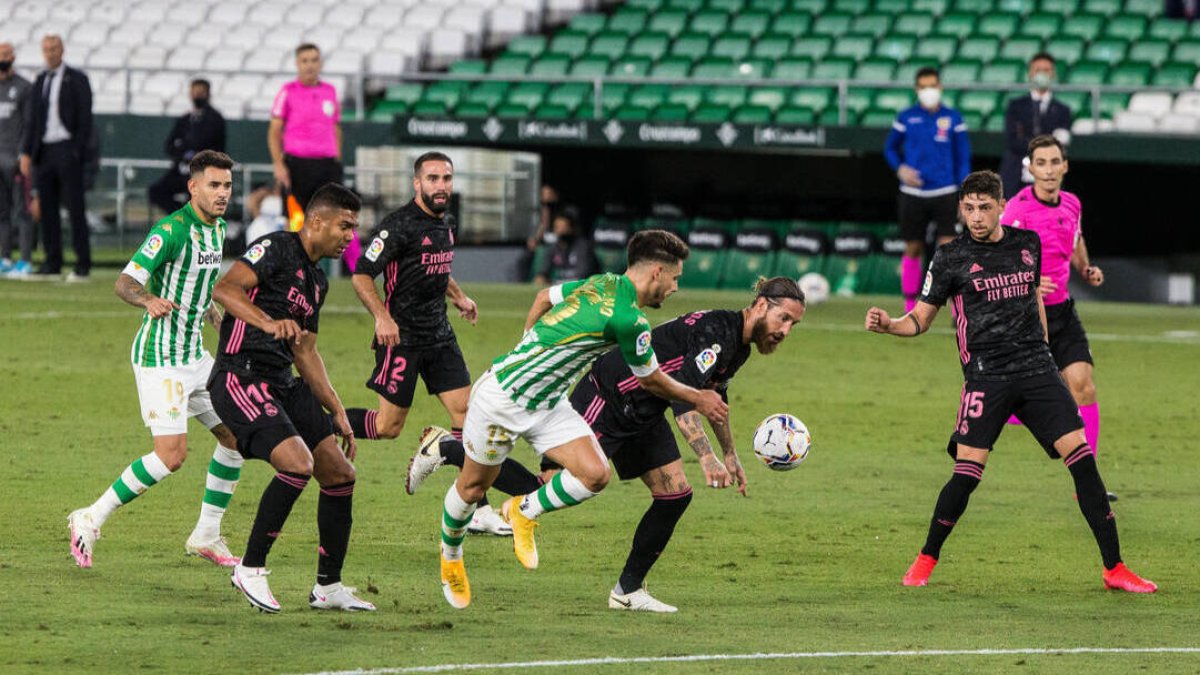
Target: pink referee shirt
310, 116
1058, 227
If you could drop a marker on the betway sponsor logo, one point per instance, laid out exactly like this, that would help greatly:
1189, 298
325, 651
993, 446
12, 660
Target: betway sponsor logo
706, 239
605, 236
805, 243
756, 241
208, 258
852, 245
893, 246
440, 128
573, 131
668, 133
786, 136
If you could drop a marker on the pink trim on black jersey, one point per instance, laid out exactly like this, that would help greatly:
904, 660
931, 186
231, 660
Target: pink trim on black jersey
960, 321
630, 383
381, 379
239, 396
594, 409
239, 329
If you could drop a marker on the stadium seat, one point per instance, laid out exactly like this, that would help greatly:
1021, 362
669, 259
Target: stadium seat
570, 43
590, 23
527, 94
847, 265
979, 47
1167, 29
629, 20
875, 71
897, 48
877, 118
651, 45
856, 47
1152, 103
941, 48
610, 237
751, 23
913, 24
550, 65
884, 266
753, 255
1131, 74
1084, 26
1066, 50
1127, 121
590, 66
752, 114
770, 97
998, 25
1088, 72
814, 48
957, 24
732, 46
1150, 50
511, 64
1175, 74
832, 24
688, 96
790, 114
875, 25
1103, 7
609, 44
1128, 27
703, 267
794, 24
671, 68
961, 72
712, 113
983, 103
670, 112
1176, 123
833, 69
672, 22
1108, 51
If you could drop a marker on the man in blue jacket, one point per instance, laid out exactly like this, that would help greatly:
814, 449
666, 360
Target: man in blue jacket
929, 151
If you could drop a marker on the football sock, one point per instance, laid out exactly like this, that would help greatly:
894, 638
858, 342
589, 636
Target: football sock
456, 514
910, 280
224, 470
451, 448
273, 509
651, 537
515, 479
335, 516
138, 477
362, 422
951, 504
1093, 502
562, 491
1091, 424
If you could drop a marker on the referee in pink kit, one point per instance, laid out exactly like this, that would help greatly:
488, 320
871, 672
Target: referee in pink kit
305, 134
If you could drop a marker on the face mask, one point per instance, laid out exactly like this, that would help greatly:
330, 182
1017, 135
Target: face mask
929, 97
1041, 80
200, 101
5, 66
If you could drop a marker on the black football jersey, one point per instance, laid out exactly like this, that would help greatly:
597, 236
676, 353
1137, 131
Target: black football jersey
414, 251
290, 286
992, 290
701, 349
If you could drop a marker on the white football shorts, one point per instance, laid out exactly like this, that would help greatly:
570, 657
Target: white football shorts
494, 422
169, 395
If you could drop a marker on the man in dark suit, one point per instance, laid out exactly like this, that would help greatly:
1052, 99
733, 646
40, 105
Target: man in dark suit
201, 129
53, 152
1028, 116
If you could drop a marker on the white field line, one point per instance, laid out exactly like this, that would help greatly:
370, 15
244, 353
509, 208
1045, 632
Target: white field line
695, 658
1174, 337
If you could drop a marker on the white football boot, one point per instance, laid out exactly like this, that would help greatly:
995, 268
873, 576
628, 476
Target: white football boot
639, 601
214, 550
252, 582
487, 521
84, 534
426, 459
337, 596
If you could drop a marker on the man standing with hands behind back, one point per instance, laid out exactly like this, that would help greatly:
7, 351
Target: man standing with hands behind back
14, 109
1027, 117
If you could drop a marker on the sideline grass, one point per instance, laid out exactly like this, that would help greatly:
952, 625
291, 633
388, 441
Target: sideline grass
811, 561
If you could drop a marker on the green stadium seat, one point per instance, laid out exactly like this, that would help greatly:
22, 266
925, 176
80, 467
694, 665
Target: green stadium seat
651, 45
513, 110
631, 66
941, 48
590, 23
753, 256
1175, 74
854, 7
448, 93
935, 7
1077, 101
980, 47
770, 97
628, 20
529, 45
877, 118
1064, 8
1002, 72
385, 111
1104, 7
1167, 29
528, 94
961, 72
489, 94
670, 22
875, 25
816, 99
1066, 50
856, 47
1042, 25
792, 69
983, 103
685, 5
767, 6
469, 67
892, 100
646, 5
808, 6
429, 108
793, 24
858, 99
1086, 27
975, 6
610, 236
1150, 50
753, 114
610, 44
713, 68
670, 112
891, 7
1022, 7
895, 48
550, 65
916, 24
611, 96
875, 70
590, 66
672, 68
730, 96
1128, 27
691, 46
735, 46
729, 6
1021, 47
552, 111
772, 46
752, 69
803, 251
752, 23
847, 265
709, 23
648, 95
1187, 50
994, 123
813, 48
1147, 8
570, 94
703, 267
833, 69
1111, 104
1107, 51
790, 114
689, 96
1131, 74
833, 24
958, 24
405, 92
910, 68
884, 265
569, 42
999, 25
632, 113
511, 64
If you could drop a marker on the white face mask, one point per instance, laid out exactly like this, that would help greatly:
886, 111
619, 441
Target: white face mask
929, 97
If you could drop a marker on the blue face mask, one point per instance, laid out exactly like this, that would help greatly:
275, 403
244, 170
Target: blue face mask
1041, 80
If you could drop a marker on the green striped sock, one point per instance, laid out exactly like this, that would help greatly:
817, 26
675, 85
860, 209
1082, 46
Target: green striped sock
456, 514
560, 492
144, 473
224, 470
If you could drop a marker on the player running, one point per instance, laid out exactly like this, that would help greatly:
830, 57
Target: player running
702, 350
990, 275
524, 394
1055, 215
414, 249
273, 295
171, 277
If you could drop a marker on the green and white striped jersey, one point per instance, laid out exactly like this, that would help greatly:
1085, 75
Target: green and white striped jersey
179, 260
587, 319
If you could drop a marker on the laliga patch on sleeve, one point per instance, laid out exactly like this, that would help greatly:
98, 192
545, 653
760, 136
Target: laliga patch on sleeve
375, 249
643, 343
705, 360
153, 246
928, 283
255, 253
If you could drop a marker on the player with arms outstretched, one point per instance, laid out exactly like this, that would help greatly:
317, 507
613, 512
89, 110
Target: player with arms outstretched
990, 276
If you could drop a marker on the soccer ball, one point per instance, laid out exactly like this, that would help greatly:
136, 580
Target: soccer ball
815, 288
781, 442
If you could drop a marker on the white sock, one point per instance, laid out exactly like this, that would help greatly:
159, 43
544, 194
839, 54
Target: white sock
224, 471
456, 514
559, 492
141, 475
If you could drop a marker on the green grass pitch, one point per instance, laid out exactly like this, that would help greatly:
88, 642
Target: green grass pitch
810, 562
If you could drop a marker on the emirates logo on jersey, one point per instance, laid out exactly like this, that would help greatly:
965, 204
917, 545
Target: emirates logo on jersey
1026, 256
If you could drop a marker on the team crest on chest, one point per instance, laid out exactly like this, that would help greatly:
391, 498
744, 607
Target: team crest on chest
1026, 256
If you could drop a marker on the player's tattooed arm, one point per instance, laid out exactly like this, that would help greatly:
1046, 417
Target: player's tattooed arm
733, 464
910, 325
691, 425
134, 293
214, 315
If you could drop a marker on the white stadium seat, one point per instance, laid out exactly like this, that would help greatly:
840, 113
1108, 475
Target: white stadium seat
165, 85
1152, 103
32, 11
226, 59
387, 64
106, 103
227, 14
1179, 123
243, 36
130, 33
189, 58
187, 14
307, 15
267, 59
505, 24
427, 17
365, 38
328, 38
343, 62
345, 16
148, 57
446, 45
385, 15
148, 10
167, 34
1135, 122
268, 13
146, 104
112, 56
1188, 103
283, 35
110, 12
68, 12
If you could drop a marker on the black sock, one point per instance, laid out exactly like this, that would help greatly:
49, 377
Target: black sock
451, 449
334, 517
651, 537
1093, 502
515, 479
362, 422
273, 509
951, 504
